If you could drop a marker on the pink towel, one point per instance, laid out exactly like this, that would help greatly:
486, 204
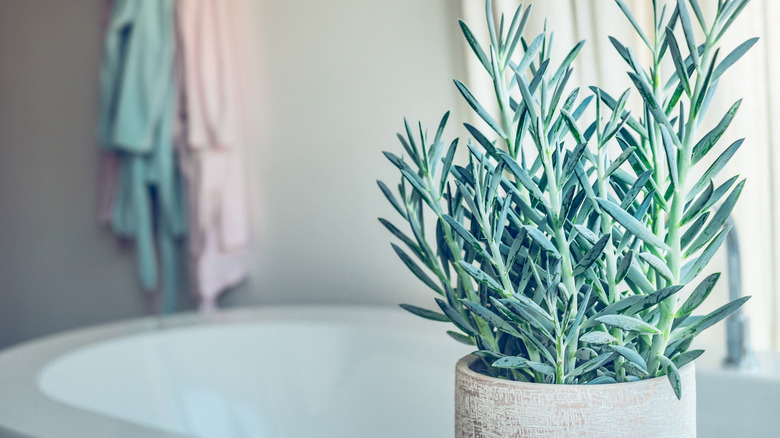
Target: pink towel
211, 149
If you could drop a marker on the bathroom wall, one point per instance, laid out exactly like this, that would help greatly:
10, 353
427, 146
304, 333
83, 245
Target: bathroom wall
326, 84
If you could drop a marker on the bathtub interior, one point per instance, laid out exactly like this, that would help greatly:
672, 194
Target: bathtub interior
350, 374
270, 379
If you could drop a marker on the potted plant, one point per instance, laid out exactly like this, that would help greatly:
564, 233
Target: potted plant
569, 266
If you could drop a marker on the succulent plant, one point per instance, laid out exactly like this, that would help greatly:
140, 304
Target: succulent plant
560, 262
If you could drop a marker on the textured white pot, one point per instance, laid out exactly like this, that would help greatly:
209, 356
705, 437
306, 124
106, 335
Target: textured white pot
486, 407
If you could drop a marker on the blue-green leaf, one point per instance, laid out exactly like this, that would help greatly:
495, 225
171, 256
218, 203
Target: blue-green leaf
522, 176
542, 240
632, 356
628, 323
592, 255
389, 195
691, 269
516, 32
632, 20
706, 143
475, 45
654, 298
693, 230
416, 270
671, 156
456, 318
658, 265
425, 313
673, 374
687, 26
679, 63
698, 295
631, 224
733, 57
687, 357
479, 109
717, 221
479, 275
515, 362
715, 168
709, 320
697, 206
597, 338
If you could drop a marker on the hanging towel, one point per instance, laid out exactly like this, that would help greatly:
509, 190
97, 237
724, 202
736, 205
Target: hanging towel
211, 149
138, 104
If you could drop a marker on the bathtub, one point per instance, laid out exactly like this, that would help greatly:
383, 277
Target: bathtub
286, 372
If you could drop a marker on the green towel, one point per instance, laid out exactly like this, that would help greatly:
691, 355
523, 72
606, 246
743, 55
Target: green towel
138, 104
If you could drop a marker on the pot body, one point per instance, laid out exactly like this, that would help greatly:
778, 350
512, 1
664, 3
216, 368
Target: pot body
486, 407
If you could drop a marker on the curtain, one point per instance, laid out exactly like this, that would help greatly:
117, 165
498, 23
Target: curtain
757, 214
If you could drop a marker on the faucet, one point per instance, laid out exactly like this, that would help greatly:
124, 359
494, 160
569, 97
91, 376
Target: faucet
739, 353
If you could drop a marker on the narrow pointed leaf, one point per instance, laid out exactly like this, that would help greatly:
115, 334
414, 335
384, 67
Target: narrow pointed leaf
671, 156
715, 168
474, 44
709, 140
515, 32
673, 374
416, 270
543, 241
597, 338
466, 235
697, 106
657, 264
623, 265
447, 165
733, 57
632, 356
400, 234
593, 364
491, 318
690, 38
627, 12
522, 176
679, 63
460, 337
515, 362
583, 307
693, 268
693, 230
653, 299
592, 255
653, 105
479, 275
718, 219
425, 313
456, 318
698, 205
619, 160
479, 109
687, 357
628, 323
698, 295
631, 224
711, 319
389, 195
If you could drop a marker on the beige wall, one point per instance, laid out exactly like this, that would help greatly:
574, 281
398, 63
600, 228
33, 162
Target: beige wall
326, 84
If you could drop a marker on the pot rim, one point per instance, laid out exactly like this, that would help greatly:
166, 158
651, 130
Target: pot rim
463, 367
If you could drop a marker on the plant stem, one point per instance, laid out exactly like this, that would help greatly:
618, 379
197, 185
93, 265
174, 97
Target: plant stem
484, 329
562, 245
668, 307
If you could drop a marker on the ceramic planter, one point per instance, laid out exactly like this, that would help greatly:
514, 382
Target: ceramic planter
486, 407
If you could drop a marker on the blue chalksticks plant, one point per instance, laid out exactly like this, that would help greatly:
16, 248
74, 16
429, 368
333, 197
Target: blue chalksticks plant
560, 262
